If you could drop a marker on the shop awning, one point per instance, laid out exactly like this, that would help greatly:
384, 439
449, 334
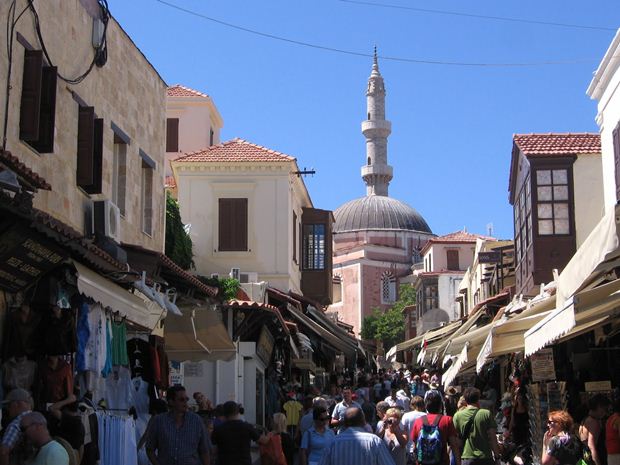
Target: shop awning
111, 295
333, 340
430, 336
578, 312
600, 248
435, 340
197, 335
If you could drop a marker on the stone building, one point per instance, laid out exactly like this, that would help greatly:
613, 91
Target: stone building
376, 238
92, 140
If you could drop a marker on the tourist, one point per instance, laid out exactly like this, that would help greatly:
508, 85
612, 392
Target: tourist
232, 439
317, 438
19, 403
49, 452
394, 435
288, 445
476, 428
341, 407
592, 426
354, 446
425, 427
178, 426
560, 446
416, 411
612, 435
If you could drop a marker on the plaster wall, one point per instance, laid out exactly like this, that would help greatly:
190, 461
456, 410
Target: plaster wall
440, 257
589, 196
271, 202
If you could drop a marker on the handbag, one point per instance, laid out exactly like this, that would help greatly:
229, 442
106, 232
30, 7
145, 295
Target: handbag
271, 453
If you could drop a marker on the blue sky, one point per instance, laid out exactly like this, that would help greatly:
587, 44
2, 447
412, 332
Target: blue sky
452, 126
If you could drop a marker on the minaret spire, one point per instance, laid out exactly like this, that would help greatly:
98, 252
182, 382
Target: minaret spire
377, 174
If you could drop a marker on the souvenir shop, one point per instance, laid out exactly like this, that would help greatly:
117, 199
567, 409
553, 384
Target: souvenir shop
88, 347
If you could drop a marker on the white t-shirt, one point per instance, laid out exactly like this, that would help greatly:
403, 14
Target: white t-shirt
51, 453
408, 420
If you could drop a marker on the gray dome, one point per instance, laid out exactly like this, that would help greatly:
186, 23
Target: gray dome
378, 212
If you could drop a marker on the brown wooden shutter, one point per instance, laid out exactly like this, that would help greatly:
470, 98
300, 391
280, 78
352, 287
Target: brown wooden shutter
616, 138
95, 187
45, 142
31, 96
233, 225
295, 237
452, 257
172, 135
85, 146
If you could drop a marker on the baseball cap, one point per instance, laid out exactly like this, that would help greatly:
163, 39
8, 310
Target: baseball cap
17, 395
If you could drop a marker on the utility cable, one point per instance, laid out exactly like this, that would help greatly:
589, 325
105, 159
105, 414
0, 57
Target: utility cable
367, 55
471, 15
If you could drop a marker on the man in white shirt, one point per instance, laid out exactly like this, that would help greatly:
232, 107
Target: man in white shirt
341, 408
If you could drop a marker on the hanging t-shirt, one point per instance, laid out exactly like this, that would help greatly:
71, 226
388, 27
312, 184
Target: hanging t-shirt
139, 354
140, 393
57, 383
18, 374
107, 366
293, 411
118, 389
95, 349
119, 344
83, 334
59, 334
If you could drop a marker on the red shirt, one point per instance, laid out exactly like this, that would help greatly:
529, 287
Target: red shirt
446, 429
612, 434
58, 383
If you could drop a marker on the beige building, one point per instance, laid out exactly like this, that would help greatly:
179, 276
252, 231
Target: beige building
445, 259
249, 211
193, 122
100, 139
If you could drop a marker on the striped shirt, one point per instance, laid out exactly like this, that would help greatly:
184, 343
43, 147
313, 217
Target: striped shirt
354, 446
12, 433
178, 446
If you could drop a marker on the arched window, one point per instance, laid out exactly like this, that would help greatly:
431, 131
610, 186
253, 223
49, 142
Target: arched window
388, 288
369, 161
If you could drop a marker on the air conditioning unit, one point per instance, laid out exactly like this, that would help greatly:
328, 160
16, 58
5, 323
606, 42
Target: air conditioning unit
106, 220
235, 273
215, 275
248, 277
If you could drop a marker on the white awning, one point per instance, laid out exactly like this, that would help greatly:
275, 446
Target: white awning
197, 335
578, 312
119, 299
453, 371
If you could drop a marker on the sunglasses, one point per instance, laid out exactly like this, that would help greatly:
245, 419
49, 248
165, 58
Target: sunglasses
551, 422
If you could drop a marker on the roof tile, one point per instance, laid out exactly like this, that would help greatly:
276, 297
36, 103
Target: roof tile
558, 143
235, 150
178, 90
20, 169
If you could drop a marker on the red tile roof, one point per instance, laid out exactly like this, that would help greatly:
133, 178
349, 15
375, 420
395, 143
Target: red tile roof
21, 170
235, 150
558, 144
457, 237
178, 90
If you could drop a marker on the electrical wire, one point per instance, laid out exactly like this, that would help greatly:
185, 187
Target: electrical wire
471, 15
100, 55
367, 55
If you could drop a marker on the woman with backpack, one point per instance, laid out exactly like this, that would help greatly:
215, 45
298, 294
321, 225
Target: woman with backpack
433, 433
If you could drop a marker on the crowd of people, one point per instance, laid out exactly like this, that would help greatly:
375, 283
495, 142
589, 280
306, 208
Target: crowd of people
389, 418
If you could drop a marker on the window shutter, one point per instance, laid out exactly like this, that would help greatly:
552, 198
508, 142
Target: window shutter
172, 135
45, 142
85, 146
233, 225
616, 138
31, 96
452, 257
95, 187
295, 237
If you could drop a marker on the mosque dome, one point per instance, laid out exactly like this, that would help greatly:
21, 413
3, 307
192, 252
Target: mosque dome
378, 212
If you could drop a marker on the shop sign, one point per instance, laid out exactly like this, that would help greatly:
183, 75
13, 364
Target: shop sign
264, 347
543, 365
24, 258
192, 370
593, 386
176, 373
489, 257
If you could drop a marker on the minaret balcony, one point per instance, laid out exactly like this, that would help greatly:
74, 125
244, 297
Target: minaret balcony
376, 128
377, 170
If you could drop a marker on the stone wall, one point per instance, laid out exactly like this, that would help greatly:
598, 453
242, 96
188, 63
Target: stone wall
127, 91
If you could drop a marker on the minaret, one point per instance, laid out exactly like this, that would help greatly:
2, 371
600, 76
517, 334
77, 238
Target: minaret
377, 174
